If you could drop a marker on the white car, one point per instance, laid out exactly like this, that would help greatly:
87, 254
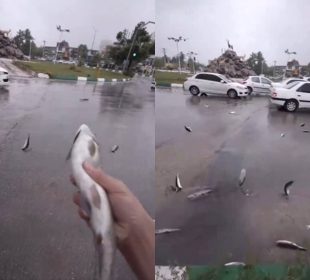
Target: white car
214, 83
295, 95
153, 85
258, 84
307, 79
286, 82
4, 76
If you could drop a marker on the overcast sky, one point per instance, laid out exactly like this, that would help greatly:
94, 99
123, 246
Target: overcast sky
269, 26
107, 16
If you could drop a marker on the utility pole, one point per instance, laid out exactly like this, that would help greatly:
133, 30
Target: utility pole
92, 45
274, 68
190, 54
60, 36
126, 62
165, 57
43, 48
30, 49
177, 40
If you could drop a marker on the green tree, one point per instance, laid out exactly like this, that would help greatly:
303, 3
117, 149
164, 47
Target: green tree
141, 43
23, 39
82, 52
257, 62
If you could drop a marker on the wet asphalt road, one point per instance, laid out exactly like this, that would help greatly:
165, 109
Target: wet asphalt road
41, 235
228, 226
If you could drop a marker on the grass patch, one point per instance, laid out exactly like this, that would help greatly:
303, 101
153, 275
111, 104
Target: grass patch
273, 272
170, 77
66, 71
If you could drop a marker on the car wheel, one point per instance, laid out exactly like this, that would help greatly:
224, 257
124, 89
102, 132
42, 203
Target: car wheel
232, 93
250, 90
194, 90
291, 105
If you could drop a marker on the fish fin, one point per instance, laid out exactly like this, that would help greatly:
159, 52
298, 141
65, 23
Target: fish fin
74, 140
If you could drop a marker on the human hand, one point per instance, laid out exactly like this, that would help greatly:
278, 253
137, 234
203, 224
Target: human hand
135, 229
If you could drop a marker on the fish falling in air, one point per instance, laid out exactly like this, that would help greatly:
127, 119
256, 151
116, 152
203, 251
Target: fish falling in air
187, 128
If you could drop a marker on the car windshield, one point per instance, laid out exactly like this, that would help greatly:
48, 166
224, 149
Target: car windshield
291, 85
225, 79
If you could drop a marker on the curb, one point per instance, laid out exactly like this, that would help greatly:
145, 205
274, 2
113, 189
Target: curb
169, 85
81, 78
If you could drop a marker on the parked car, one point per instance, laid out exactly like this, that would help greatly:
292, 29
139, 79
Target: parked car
287, 82
214, 83
295, 95
307, 79
258, 84
4, 77
153, 85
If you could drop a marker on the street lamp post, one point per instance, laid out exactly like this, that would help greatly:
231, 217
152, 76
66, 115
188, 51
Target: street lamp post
193, 60
177, 40
60, 36
126, 64
43, 48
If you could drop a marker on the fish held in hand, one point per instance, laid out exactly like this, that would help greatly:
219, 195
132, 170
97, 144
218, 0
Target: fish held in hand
95, 200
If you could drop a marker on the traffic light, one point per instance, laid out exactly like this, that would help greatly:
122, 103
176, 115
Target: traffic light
135, 52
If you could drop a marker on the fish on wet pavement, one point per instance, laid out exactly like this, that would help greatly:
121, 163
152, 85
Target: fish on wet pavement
289, 245
114, 148
26, 144
287, 187
166, 230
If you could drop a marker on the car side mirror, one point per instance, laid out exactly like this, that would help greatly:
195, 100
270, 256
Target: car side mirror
223, 82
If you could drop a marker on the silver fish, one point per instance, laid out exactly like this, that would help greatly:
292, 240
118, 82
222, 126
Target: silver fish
199, 194
232, 112
306, 131
302, 124
235, 264
289, 245
94, 200
286, 187
84, 99
188, 128
166, 230
178, 183
282, 134
242, 177
114, 148
27, 143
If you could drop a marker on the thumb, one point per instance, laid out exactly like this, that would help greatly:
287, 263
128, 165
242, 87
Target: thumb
108, 183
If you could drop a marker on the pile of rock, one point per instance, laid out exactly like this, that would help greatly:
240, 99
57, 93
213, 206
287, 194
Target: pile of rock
8, 48
230, 65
